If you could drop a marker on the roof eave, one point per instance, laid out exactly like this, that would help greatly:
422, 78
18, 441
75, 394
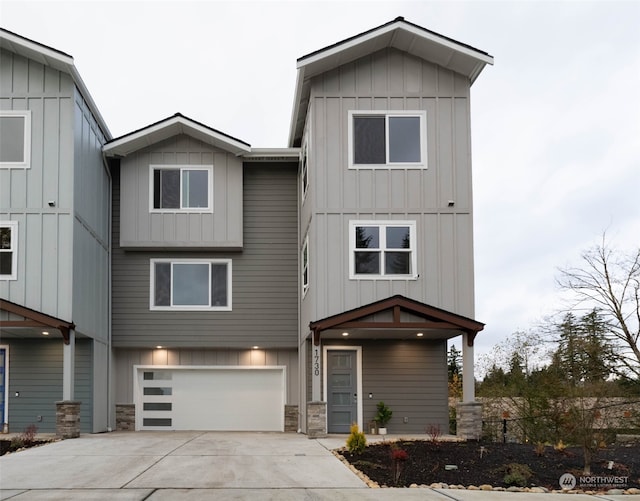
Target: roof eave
346, 51
177, 124
56, 59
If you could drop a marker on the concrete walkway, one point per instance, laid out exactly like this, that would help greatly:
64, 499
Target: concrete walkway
159, 466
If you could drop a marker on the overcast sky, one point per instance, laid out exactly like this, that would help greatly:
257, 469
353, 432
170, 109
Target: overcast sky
555, 123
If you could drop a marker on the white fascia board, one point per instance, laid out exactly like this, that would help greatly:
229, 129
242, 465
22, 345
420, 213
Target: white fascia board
57, 60
432, 37
296, 105
143, 137
276, 154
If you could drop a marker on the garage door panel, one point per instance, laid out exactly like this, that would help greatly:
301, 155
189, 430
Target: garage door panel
225, 399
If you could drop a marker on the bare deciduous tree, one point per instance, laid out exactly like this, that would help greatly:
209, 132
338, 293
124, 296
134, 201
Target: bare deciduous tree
609, 280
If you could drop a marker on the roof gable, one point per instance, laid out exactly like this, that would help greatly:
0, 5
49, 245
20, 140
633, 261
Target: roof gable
399, 34
55, 59
169, 127
421, 316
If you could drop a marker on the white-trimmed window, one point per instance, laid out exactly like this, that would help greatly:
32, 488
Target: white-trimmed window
181, 188
382, 249
191, 284
15, 139
8, 250
380, 139
304, 258
304, 170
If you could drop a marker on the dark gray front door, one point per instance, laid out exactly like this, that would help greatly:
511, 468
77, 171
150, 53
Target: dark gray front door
342, 398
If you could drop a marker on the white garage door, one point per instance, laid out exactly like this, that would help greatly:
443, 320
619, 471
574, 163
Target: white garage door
210, 398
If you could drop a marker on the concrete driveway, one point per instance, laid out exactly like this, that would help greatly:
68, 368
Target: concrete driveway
159, 466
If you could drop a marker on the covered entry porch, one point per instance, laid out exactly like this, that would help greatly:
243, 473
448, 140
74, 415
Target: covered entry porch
393, 350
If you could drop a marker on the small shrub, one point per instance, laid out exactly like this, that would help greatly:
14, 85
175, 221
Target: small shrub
539, 449
398, 456
434, 432
517, 474
356, 442
28, 436
560, 446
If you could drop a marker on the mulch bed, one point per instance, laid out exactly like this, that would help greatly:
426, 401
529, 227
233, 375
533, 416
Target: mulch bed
495, 464
7, 446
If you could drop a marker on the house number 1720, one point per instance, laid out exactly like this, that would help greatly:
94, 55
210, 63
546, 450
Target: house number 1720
316, 361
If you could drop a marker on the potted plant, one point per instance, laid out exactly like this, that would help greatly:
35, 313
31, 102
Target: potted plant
383, 415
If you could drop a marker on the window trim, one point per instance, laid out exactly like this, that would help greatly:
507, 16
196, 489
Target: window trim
26, 162
304, 265
152, 279
304, 170
13, 225
382, 224
421, 114
181, 168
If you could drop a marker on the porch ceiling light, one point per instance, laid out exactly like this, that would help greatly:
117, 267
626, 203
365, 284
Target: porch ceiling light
45, 333
419, 334
159, 347
255, 347
345, 334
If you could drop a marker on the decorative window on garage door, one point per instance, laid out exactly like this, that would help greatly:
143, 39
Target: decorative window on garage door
191, 284
157, 401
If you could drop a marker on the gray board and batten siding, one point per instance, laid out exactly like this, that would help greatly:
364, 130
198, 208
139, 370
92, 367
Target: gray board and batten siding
216, 229
36, 383
390, 80
63, 245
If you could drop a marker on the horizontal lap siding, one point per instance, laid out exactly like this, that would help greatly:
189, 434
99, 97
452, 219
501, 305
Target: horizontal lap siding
410, 377
264, 277
35, 371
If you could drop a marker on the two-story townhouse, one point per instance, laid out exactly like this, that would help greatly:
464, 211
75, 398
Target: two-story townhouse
386, 230
54, 241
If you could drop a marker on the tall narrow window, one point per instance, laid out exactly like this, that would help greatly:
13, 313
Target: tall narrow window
15, 139
181, 188
305, 265
387, 139
8, 250
382, 249
193, 284
304, 171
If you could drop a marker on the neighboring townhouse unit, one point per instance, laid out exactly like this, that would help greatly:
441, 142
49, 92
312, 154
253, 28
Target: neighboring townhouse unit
386, 230
54, 228
235, 288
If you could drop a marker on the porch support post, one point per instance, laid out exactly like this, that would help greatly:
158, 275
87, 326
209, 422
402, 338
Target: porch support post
68, 367
468, 376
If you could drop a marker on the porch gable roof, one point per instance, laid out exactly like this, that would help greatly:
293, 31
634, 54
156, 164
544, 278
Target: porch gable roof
424, 317
33, 318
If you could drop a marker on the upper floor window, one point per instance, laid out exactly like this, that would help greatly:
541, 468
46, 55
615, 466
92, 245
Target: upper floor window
181, 188
8, 250
191, 284
15, 139
382, 249
387, 139
305, 265
304, 171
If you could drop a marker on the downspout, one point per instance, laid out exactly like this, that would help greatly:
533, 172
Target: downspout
105, 163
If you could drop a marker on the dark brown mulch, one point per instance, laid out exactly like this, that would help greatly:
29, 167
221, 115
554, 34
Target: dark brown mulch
489, 464
7, 446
